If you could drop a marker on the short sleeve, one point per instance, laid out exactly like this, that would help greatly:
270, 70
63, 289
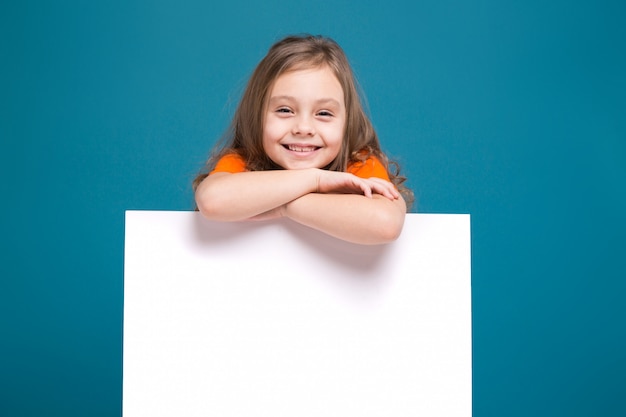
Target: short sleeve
371, 167
231, 162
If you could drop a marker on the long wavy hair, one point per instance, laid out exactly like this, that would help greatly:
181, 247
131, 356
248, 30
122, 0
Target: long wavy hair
245, 134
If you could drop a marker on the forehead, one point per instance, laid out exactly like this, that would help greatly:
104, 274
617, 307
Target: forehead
316, 81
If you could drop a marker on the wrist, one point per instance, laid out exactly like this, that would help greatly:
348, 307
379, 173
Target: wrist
290, 209
282, 210
316, 174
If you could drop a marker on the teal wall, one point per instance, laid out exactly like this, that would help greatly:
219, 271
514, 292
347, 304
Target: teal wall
514, 112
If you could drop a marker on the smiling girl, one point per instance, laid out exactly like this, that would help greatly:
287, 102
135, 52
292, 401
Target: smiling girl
302, 147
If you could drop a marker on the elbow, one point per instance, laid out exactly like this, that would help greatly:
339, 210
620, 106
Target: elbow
213, 202
388, 227
391, 230
210, 206
204, 206
390, 221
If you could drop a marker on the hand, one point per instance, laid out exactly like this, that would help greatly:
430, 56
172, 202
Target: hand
346, 183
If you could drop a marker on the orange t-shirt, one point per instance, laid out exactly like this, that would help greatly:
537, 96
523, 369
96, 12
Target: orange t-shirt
371, 167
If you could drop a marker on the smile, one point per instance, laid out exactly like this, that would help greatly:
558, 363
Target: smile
299, 148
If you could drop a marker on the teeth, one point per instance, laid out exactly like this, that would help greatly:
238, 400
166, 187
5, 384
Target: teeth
297, 148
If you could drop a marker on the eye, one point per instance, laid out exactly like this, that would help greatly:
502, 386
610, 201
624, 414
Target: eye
324, 113
284, 110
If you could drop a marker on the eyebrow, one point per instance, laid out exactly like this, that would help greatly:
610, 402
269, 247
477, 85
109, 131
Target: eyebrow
319, 101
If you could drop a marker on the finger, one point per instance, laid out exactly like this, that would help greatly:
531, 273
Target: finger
365, 188
385, 188
388, 192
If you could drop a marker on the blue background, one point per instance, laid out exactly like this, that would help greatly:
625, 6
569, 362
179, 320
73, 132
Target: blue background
514, 112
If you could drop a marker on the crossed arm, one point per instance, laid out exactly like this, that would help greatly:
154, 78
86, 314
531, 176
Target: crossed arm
366, 211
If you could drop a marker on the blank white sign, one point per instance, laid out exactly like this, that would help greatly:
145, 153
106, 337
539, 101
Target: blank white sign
275, 319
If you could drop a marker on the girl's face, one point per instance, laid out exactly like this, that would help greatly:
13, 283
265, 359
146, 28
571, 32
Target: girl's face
305, 119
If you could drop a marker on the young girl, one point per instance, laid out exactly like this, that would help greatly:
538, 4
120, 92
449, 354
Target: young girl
302, 147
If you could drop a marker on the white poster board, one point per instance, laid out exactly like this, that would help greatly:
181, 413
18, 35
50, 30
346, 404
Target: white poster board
275, 319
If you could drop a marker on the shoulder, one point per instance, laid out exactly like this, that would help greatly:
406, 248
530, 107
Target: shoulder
370, 167
231, 162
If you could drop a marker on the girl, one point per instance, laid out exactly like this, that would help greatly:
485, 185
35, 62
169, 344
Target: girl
300, 146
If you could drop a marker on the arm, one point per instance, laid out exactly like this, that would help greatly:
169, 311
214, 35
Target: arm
244, 195
337, 203
230, 197
350, 217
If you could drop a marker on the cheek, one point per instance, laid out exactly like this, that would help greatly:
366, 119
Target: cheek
271, 129
335, 136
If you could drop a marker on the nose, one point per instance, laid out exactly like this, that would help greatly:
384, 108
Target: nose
303, 126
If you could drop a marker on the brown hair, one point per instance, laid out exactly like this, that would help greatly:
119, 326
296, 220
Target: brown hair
245, 135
